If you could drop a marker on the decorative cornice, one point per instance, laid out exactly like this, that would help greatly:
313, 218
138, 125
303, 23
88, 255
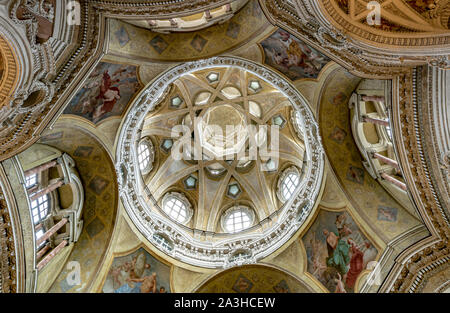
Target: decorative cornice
429, 254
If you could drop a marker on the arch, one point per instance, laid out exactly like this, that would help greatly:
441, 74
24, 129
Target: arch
98, 177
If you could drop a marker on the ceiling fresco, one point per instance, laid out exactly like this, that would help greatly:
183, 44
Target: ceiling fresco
137, 272
132, 41
106, 93
292, 57
337, 251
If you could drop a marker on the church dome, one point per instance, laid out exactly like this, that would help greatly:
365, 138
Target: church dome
237, 162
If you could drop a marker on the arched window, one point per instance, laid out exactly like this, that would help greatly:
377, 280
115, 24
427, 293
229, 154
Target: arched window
145, 155
177, 206
40, 209
237, 219
288, 182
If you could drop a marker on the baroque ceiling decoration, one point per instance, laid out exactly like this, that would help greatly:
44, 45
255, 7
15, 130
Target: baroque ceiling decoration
22, 128
50, 72
128, 40
221, 91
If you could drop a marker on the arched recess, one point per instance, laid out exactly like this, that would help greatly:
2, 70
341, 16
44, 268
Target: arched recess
370, 107
253, 279
55, 197
385, 216
346, 161
98, 177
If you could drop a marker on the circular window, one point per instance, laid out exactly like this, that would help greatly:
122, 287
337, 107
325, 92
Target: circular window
288, 183
177, 206
237, 219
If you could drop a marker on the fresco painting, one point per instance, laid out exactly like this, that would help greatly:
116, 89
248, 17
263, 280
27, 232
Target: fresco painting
387, 214
337, 251
106, 92
292, 57
138, 272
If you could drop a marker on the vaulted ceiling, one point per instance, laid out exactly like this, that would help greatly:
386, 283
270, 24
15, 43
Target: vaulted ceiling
129, 71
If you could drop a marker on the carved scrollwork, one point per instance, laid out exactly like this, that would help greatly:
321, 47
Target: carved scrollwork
32, 14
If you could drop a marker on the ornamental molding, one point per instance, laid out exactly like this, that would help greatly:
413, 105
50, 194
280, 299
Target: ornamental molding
12, 259
8, 282
410, 124
305, 20
190, 245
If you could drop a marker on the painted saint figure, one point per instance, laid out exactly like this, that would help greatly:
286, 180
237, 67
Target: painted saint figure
338, 252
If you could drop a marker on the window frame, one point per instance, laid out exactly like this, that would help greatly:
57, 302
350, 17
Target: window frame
184, 201
40, 219
281, 183
43, 230
231, 211
151, 155
36, 181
